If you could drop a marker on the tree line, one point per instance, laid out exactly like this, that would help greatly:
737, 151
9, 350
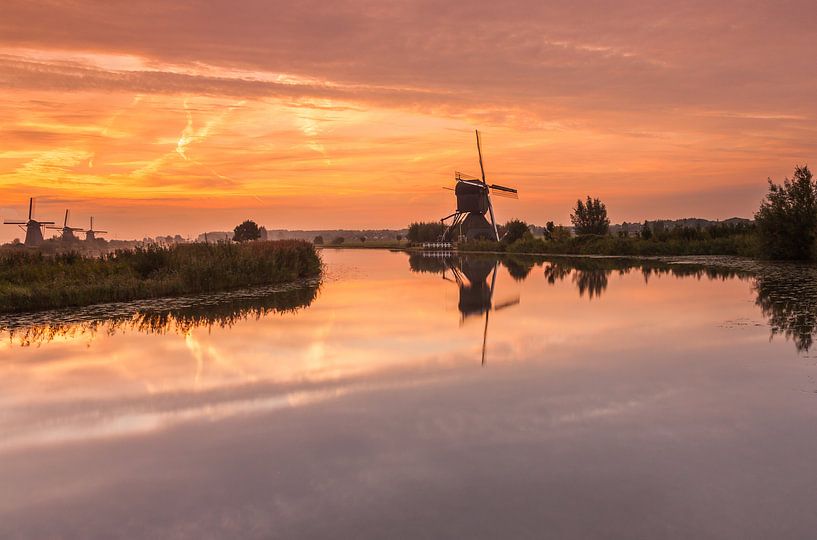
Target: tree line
785, 227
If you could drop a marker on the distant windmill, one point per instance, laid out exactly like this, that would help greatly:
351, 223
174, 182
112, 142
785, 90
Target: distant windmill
67, 232
33, 228
90, 234
473, 202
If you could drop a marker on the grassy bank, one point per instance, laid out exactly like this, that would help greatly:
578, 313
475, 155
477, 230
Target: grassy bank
745, 245
31, 281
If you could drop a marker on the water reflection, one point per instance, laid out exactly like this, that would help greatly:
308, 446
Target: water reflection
159, 316
787, 297
475, 277
785, 293
366, 413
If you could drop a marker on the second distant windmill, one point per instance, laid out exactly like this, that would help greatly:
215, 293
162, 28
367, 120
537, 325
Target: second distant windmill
67, 232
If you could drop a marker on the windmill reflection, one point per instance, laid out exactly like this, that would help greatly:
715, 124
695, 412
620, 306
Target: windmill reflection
475, 278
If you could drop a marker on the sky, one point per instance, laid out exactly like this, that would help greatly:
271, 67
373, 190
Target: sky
175, 118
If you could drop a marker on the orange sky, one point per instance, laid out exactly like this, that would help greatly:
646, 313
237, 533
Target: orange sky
165, 118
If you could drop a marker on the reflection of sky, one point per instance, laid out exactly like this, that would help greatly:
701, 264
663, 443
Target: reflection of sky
653, 410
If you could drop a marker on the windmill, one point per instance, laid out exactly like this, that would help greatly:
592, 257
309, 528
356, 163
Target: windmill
90, 233
33, 228
473, 202
67, 232
476, 295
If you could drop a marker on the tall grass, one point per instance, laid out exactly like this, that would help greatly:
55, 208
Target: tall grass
31, 280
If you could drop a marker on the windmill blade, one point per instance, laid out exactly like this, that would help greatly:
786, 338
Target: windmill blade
463, 176
448, 188
15, 222
65, 222
505, 194
54, 228
506, 304
101, 232
503, 191
30, 207
503, 188
479, 151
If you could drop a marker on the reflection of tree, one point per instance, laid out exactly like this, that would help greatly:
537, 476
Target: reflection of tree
591, 275
787, 297
592, 281
518, 267
425, 264
160, 316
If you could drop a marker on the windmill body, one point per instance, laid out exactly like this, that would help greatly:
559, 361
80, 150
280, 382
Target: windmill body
33, 228
473, 203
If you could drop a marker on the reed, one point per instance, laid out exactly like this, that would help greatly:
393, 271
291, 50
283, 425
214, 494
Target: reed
33, 281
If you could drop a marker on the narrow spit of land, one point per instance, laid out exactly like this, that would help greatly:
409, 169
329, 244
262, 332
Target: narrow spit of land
31, 281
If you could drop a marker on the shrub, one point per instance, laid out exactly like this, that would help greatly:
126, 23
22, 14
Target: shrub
429, 231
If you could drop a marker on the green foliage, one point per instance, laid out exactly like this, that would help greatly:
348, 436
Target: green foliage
528, 244
787, 218
246, 231
32, 280
425, 231
515, 230
590, 217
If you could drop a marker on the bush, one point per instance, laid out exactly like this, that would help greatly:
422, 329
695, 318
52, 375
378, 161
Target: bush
515, 230
246, 231
429, 231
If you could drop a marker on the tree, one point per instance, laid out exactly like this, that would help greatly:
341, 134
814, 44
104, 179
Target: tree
590, 217
550, 227
399, 237
787, 218
646, 232
318, 241
338, 240
246, 231
425, 231
362, 239
515, 230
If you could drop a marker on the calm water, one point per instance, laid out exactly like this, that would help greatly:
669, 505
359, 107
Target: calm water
602, 399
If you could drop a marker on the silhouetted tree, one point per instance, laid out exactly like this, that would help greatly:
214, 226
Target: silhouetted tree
362, 239
550, 227
338, 240
399, 237
425, 231
646, 232
590, 217
515, 230
246, 231
318, 241
787, 218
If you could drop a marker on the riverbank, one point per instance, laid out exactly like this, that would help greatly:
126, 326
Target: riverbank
745, 245
32, 281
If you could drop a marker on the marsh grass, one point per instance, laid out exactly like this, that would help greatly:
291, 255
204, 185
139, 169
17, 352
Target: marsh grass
32, 281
